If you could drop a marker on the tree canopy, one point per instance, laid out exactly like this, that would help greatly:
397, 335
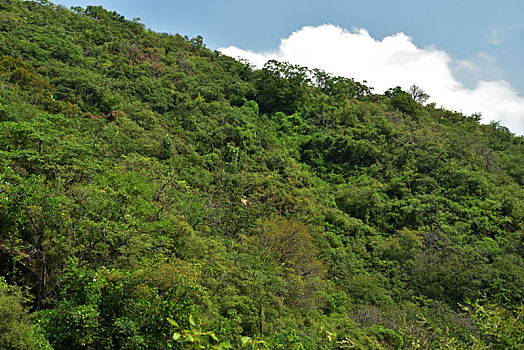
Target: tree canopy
157, 194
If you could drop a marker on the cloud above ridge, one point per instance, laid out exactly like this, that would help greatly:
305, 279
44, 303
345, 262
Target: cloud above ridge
395, 61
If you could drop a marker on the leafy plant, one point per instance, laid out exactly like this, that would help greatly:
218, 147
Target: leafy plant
195, 338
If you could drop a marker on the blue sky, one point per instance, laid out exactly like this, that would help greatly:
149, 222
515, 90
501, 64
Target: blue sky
483, 40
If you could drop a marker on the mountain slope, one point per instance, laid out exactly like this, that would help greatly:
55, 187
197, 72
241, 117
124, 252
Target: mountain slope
145, 177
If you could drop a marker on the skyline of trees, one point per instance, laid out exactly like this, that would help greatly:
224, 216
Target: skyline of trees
144, 177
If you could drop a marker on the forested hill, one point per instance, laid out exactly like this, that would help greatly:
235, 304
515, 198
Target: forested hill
155, 194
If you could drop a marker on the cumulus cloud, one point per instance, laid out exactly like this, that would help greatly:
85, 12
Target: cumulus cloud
394, 61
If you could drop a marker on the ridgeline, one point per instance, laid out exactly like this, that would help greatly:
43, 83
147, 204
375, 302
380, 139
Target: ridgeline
155, 194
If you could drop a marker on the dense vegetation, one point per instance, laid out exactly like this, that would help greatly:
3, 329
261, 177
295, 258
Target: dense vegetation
156, 194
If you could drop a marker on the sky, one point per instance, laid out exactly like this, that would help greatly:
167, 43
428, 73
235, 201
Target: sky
467, 55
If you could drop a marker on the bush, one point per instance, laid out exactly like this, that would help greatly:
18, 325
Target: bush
16, 331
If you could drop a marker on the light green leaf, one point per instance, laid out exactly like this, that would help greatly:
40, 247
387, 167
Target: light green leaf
245, 340
173, 322
192, 321
213, 336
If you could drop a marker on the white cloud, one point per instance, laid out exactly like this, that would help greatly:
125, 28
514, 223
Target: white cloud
393, 61
486, 57
465, 65
497, 34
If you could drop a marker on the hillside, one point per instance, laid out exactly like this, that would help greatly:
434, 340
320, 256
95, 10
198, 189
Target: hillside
144, 177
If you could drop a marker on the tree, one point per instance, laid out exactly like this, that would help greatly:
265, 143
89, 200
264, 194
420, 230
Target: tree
16, 332
292, 245
282, 87
418, 94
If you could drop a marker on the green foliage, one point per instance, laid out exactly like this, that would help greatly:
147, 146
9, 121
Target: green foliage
117, 309
16, 330
144, 177
390, 337
195, 338
254, 343
282, 87
500, 328
402, 101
